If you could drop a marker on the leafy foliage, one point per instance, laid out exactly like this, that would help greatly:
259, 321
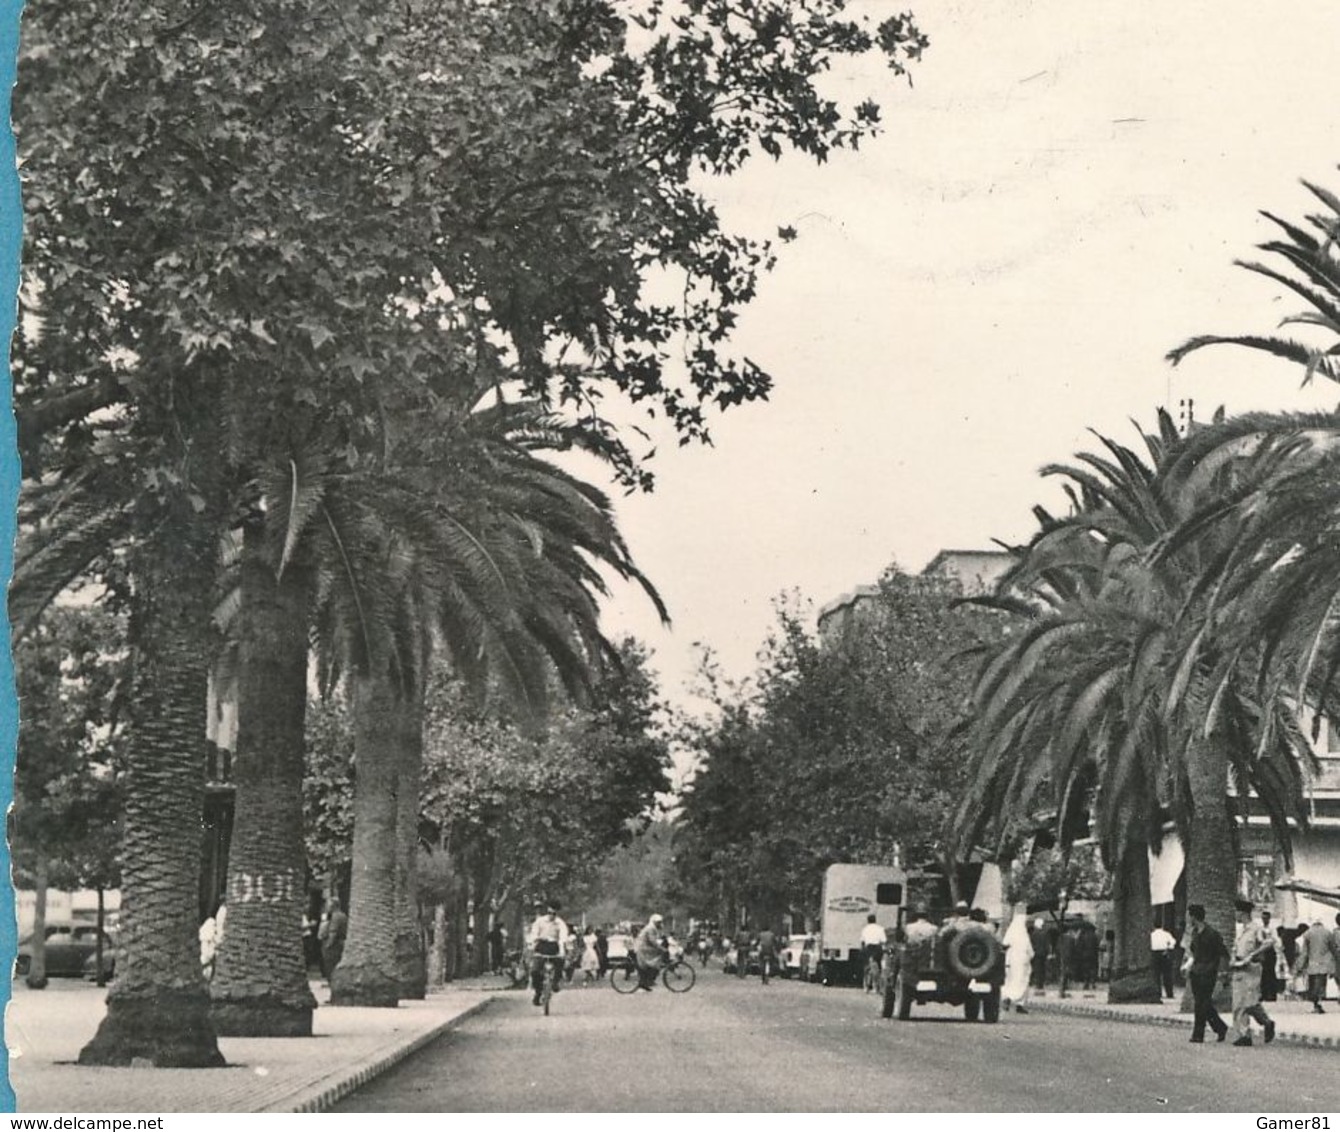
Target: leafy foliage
846, 750
67, 785
527, 813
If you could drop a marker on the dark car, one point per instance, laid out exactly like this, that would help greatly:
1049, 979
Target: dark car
71, 949
961, 966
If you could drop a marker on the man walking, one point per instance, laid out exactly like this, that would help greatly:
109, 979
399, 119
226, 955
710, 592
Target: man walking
1250, 943
767, 953
743, 941
1162, 943
1317, 961
1207, 952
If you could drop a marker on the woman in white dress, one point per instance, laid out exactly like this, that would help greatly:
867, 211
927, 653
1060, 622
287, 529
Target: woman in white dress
1018, 964
590, 957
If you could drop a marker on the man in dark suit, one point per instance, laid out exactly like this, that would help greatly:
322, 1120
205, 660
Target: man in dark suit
1207, 953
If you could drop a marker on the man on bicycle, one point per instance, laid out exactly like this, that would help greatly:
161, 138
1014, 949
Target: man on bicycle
651, 952
547, 939
872, 942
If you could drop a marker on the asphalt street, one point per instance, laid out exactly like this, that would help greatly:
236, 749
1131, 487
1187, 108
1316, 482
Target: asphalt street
733, 1045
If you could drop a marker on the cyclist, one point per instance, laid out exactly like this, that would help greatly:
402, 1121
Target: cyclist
547, 938
652, 952
872, 944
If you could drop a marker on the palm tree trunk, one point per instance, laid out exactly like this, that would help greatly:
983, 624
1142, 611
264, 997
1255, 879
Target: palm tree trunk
260, 984
37, 964
408, 936
1211, 856
1133, 975
158, 1007
367, 974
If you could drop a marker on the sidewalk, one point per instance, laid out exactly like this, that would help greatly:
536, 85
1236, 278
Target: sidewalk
1295, 1022
350, 1045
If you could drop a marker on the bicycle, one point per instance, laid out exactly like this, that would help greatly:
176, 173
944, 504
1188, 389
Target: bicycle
549, 981
677, 976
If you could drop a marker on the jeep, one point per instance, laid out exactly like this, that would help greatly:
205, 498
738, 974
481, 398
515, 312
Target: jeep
962, 965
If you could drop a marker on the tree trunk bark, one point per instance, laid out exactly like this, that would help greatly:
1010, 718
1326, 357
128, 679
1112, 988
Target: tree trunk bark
408, 936
437, 959
37, 965
1133, 977
100, 960
158, 1007
367, 974
260, 984
1211, 857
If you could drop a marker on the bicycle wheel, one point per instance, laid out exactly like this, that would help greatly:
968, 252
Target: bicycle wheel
547, 994
679, 976
624, 979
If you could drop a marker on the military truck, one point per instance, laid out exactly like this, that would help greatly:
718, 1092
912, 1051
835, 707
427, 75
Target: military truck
961, 964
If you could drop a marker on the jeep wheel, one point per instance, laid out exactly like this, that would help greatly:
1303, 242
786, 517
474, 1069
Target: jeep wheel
991, 1006
972, 1006
906, 991
972, 952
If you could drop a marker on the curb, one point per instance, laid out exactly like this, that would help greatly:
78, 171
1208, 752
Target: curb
322, 1097
1182, 1021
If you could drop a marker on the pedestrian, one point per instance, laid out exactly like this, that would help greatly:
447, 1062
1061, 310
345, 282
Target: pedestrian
1269, 962
603, 951
210, 935
497, 947
1065, 961
1041, 945
590, 957
767, 953
334, 926
1316, 960
742, 941
1105, 950
1162, 943
1207, 952
1248, 945
1018, 965
1087, 950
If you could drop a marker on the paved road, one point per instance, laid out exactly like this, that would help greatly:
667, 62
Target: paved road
733, 1045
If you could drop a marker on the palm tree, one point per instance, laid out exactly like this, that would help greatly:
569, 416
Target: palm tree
501, 564
1315, 260
1130, 657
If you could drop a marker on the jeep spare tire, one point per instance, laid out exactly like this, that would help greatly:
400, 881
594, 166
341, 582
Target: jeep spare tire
973, 951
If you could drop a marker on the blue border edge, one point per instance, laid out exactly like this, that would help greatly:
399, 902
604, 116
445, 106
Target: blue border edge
11, 240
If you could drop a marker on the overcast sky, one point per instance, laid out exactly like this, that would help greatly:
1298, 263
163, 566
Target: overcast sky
1054, 204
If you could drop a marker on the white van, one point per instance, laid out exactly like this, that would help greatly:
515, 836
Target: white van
851, 893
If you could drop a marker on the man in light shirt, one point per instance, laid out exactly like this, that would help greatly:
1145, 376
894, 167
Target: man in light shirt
872, 941
1161, 946
547, 937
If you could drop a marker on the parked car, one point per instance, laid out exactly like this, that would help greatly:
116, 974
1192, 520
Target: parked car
790, 957
108, 965
69, 946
